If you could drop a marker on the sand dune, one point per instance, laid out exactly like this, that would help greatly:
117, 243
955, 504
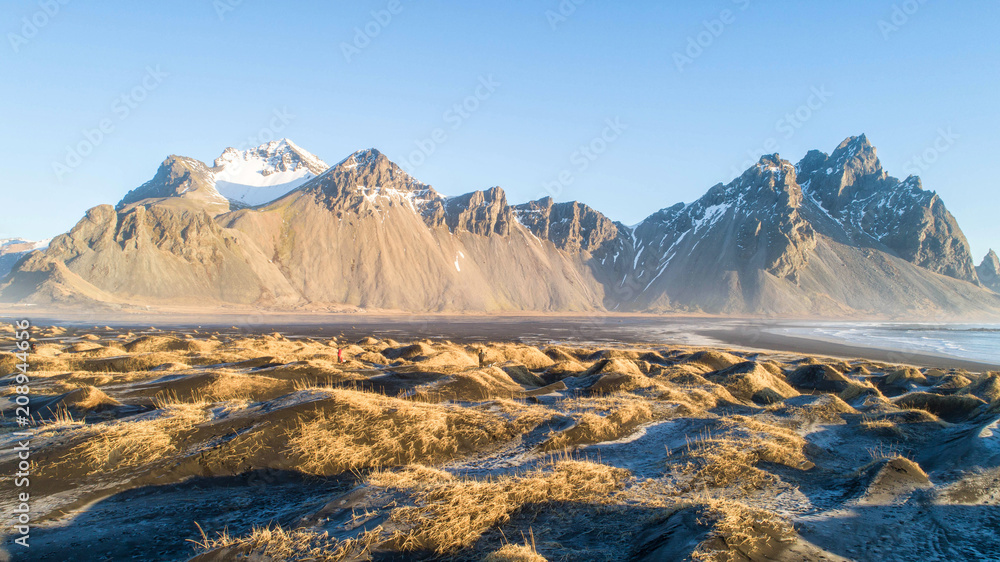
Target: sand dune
221, 445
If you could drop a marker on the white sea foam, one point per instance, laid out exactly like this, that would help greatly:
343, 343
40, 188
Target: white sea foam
973, 342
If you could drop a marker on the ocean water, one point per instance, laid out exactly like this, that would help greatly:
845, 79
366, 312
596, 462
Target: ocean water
974, 342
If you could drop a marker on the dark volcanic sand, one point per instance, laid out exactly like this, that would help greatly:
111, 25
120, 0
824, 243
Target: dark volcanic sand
540, 329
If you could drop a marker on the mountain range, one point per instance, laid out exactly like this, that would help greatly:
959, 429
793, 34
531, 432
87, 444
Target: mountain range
276, 227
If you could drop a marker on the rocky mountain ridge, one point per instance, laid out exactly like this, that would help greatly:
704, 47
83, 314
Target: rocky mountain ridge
833, 235
879, 211
236, 179
13, 249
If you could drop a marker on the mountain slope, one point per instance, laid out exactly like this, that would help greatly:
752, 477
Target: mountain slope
718, 253
766, 245
365, 233
834, 235
168, 251
879, 211
13, 249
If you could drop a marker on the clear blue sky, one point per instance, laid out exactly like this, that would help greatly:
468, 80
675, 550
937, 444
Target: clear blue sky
557, 82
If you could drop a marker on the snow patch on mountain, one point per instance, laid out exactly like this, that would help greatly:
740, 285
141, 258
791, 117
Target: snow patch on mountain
261, 175
13, 249
22, 245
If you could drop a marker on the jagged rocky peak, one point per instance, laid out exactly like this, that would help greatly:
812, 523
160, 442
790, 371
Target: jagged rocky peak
771, 177
369, 172
571, 226
769, 231
852, 171
179, 176
878, 211
989, 272
752, 223
480, 212
991, 262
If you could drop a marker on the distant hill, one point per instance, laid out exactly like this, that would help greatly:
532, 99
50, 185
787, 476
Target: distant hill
13, 249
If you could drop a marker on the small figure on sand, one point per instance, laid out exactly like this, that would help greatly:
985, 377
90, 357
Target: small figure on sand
482, 357
340, 355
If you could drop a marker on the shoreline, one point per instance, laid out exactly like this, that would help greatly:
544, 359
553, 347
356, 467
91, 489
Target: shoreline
765, 341
626, 328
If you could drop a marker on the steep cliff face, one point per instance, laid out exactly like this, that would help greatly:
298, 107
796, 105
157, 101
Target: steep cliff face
171, 250
572, 226
708, 255
879, 211
989, 272
179, 177
480, 212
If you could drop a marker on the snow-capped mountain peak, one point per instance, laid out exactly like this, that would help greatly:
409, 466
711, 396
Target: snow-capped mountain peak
260, 175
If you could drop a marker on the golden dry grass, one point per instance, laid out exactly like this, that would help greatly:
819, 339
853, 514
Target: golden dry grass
277, 543
515, 553
730, 457
90, 398
222, 427
62, 419
236, 386
594, 428
452, 513
740, 531
472, 385
829, 409
881, 427
366, 430
525, 417
132, 443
